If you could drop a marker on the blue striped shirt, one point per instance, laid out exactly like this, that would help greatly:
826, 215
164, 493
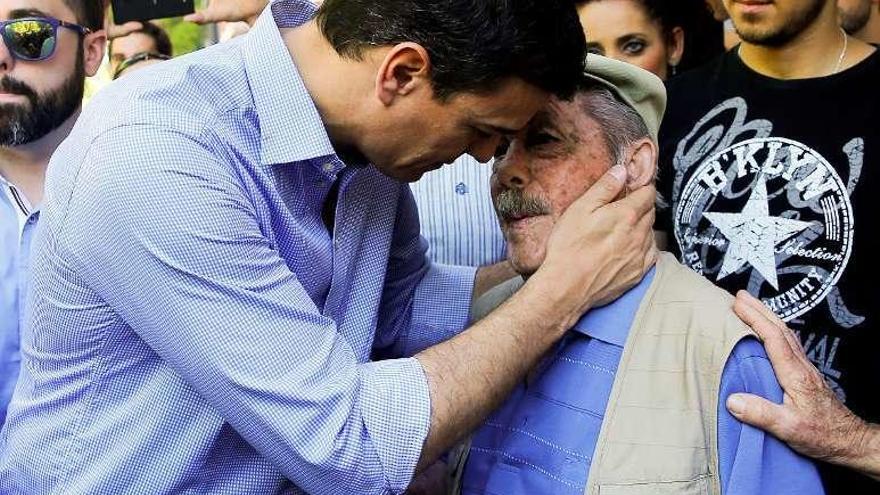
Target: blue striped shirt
193, 327
457, 216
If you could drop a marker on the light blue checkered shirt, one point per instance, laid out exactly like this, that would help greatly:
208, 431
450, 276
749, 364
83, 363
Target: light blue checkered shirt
192, 326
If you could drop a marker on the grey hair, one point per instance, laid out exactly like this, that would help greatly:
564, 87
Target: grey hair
620, 123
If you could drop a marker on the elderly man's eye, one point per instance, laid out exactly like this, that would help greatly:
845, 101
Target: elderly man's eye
501, 150
540, 139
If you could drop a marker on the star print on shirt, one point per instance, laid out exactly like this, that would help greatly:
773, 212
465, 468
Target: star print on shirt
754, 235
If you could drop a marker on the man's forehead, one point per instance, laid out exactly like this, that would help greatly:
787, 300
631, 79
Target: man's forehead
29, 8
507, 109
560, 114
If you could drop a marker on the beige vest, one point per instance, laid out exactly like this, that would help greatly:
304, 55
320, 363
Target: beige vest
659, 435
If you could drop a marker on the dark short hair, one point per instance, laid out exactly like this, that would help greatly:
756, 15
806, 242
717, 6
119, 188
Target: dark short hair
473, 44
159, 36
89, 13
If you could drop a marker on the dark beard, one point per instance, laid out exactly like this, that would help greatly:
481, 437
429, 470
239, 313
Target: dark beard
790, 30
25, 123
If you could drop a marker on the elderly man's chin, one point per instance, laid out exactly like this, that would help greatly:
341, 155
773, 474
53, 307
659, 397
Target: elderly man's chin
527, 244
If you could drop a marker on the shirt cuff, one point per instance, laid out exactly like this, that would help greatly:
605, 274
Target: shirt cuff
442, 306
397, 415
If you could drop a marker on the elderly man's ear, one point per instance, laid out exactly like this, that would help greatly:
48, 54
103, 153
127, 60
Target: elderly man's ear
641, 167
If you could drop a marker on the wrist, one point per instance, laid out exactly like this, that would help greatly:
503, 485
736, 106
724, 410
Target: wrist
865, 452
564, 298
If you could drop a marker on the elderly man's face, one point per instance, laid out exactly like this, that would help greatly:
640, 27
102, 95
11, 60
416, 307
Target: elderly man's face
547, 166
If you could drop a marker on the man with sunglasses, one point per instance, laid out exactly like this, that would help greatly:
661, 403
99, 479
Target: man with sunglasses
48, 48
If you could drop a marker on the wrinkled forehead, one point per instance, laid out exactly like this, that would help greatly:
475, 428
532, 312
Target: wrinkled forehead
570, 119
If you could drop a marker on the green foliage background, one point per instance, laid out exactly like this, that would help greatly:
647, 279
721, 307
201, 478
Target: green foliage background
186, 37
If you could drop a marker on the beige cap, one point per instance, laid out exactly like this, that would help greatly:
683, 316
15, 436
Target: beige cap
638, 88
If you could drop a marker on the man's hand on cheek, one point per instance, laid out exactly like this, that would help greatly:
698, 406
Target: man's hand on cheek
601, 243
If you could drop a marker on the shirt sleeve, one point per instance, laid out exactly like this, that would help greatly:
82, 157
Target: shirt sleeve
176, 249
438, 296
751, 461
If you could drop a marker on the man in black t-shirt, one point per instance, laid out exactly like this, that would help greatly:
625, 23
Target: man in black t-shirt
768, 164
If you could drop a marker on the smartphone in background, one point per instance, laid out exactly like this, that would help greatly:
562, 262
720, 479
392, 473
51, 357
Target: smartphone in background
144, 10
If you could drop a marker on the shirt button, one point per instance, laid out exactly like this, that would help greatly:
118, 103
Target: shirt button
328, 167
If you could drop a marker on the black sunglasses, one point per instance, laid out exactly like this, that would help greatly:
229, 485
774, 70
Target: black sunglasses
35, 38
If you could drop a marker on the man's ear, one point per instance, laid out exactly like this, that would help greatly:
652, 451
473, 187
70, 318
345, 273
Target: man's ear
405, 68
641, 166
94, 46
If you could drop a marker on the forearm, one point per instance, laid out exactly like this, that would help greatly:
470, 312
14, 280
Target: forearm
470, 375
491, 275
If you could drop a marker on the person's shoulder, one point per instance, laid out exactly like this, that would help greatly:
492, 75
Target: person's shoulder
869, 67
689, 95
186, 94
697, 78
681, 284
748, 369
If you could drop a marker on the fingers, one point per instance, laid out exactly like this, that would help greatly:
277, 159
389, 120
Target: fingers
119, 30
782, 356
648, 241
642, 201
760, 413
605, 190
743, 298
196, 17
759, 306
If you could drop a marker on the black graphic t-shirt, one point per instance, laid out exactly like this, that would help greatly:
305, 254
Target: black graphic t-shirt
770, 186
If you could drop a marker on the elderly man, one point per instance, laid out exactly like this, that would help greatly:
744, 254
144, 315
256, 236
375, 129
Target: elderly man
632, 400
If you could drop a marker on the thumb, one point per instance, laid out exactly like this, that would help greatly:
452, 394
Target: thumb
196, 17
606, 189
758, 412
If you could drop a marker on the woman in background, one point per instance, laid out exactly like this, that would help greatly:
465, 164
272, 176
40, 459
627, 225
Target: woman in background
661, 36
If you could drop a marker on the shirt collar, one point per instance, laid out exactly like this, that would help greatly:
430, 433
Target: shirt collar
611, 323
291, 129
17, 198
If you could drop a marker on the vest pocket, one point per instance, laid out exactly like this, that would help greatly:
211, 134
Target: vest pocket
698, 486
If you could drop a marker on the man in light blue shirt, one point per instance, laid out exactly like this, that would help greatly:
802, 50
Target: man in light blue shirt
218, 265
546, 438
40, 98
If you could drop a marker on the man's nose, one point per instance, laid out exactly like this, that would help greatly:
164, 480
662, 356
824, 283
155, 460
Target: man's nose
6, 59
484, 149
512, 170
